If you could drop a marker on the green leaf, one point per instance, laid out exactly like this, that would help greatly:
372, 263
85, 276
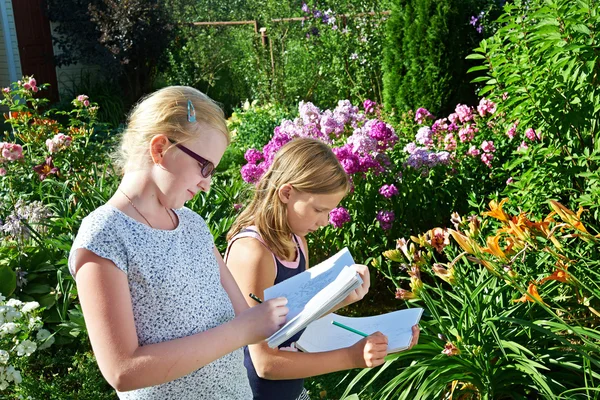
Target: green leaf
8, 280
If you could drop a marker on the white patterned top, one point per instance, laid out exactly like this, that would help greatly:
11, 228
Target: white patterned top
176, 291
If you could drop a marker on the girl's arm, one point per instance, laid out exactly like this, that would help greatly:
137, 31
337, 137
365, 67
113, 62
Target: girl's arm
228, 283
106, 302
253, 268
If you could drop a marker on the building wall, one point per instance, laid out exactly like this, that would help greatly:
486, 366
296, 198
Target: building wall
5, 79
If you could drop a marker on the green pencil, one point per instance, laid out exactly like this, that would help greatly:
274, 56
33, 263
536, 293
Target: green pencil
255, 297
349, 329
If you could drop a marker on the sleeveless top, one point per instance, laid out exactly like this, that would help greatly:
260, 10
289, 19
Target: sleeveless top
176, 291
266, 389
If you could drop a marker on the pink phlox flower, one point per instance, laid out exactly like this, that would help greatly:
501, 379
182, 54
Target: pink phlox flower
467, 133
369, 106
11, 151
388, 191
251, 173
487, 159
512, 131
440, 125
345, 112
309, 113
510, 180
361, 143
330, 124
339, 216
424, 136
422, 115
386, 219
253, 156
473, 151
453, 118
531, 135
488, 146
465, 113
450, 142
2, 173
486, 107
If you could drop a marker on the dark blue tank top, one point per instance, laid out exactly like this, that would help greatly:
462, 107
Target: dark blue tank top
285, 389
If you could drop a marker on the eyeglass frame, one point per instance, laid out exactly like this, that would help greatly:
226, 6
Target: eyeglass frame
204, 163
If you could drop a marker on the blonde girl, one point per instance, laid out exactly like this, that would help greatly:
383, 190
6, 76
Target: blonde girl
164, 315
267, 245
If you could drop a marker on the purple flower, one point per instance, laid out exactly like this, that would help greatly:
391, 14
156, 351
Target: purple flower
339, 216
369, 106
253, 156
424, 136
474, 20
349, 160
45, 169
386, 219
251, 173
388, 191
309, 113
361, 143
421, 115
467, 133
305, 8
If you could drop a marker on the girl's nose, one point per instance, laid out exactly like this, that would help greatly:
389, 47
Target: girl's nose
204, 184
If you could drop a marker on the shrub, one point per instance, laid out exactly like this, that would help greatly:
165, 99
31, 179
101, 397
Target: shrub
544, 61
424, 64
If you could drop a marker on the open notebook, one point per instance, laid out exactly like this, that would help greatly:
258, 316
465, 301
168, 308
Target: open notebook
312, 293
321, 335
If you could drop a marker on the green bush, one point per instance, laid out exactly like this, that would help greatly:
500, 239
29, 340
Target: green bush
544, 61
424, 64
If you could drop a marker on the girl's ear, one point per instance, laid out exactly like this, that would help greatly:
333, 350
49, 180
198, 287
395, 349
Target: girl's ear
158, 146
285, 192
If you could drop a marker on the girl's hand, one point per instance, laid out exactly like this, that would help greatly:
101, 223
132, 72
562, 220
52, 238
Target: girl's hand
261, 321
361, 291
369, 352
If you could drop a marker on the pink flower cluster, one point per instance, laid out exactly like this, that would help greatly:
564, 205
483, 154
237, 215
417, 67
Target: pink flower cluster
422, 115
486, 107
386, 219
388, 191
358, 152
83, 100
58, 142
31, 84
10, 152
339, 216
488, 149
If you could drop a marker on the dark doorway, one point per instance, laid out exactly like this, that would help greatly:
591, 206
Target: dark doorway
35, 44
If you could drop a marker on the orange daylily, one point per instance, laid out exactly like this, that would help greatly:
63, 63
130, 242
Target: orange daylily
466, 243
532, 295
493, 248
496, 210
438, 239
569, 216
560, 274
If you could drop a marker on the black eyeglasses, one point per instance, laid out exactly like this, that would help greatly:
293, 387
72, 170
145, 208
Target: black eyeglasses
207, 168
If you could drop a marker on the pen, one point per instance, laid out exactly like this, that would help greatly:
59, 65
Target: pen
255, 297
349, 329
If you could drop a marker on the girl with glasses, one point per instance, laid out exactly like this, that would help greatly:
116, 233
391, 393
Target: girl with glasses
267, 245
165, 318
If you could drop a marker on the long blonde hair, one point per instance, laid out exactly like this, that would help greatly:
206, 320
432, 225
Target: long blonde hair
310, 166
166, 112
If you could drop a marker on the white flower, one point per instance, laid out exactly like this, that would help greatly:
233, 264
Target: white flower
16, 376
2, 298
35, 323
4, 356
9, 327
46, 338
12, 314
14, 303
26, 347
30, 306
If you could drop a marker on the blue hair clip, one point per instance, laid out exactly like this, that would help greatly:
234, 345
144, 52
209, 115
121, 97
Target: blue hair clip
191, 112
